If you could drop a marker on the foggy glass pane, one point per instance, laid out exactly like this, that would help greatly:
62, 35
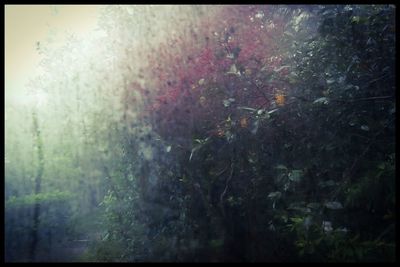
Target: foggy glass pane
199, 133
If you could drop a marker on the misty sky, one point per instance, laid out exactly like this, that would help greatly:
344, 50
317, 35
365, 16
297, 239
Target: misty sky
25, 25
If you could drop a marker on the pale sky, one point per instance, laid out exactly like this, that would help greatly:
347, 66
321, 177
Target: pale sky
27, 24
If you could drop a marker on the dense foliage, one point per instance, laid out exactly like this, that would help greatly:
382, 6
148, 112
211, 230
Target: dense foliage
252, 133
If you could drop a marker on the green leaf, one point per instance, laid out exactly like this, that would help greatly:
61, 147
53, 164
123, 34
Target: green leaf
192, 152
281, 167
233, 70
382, 166
275, 195
280, 68
297, 220
295, 175
334, 205
289, 33
321, 100
326, 183
216, 243
227, 102
197, 147
330, 81
272, 111
313, 205
298, 207
355, 19
248, 108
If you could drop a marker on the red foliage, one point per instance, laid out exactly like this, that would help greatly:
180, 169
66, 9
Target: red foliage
228, 57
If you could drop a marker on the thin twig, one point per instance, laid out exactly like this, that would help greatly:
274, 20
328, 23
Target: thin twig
362, 99
221, 172
347, 174
260, 90
385, 232
221, 199
377, 79
348, 100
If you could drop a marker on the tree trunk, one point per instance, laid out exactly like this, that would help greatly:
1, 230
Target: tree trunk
38, 181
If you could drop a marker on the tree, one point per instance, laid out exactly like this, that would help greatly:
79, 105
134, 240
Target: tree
38, 183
